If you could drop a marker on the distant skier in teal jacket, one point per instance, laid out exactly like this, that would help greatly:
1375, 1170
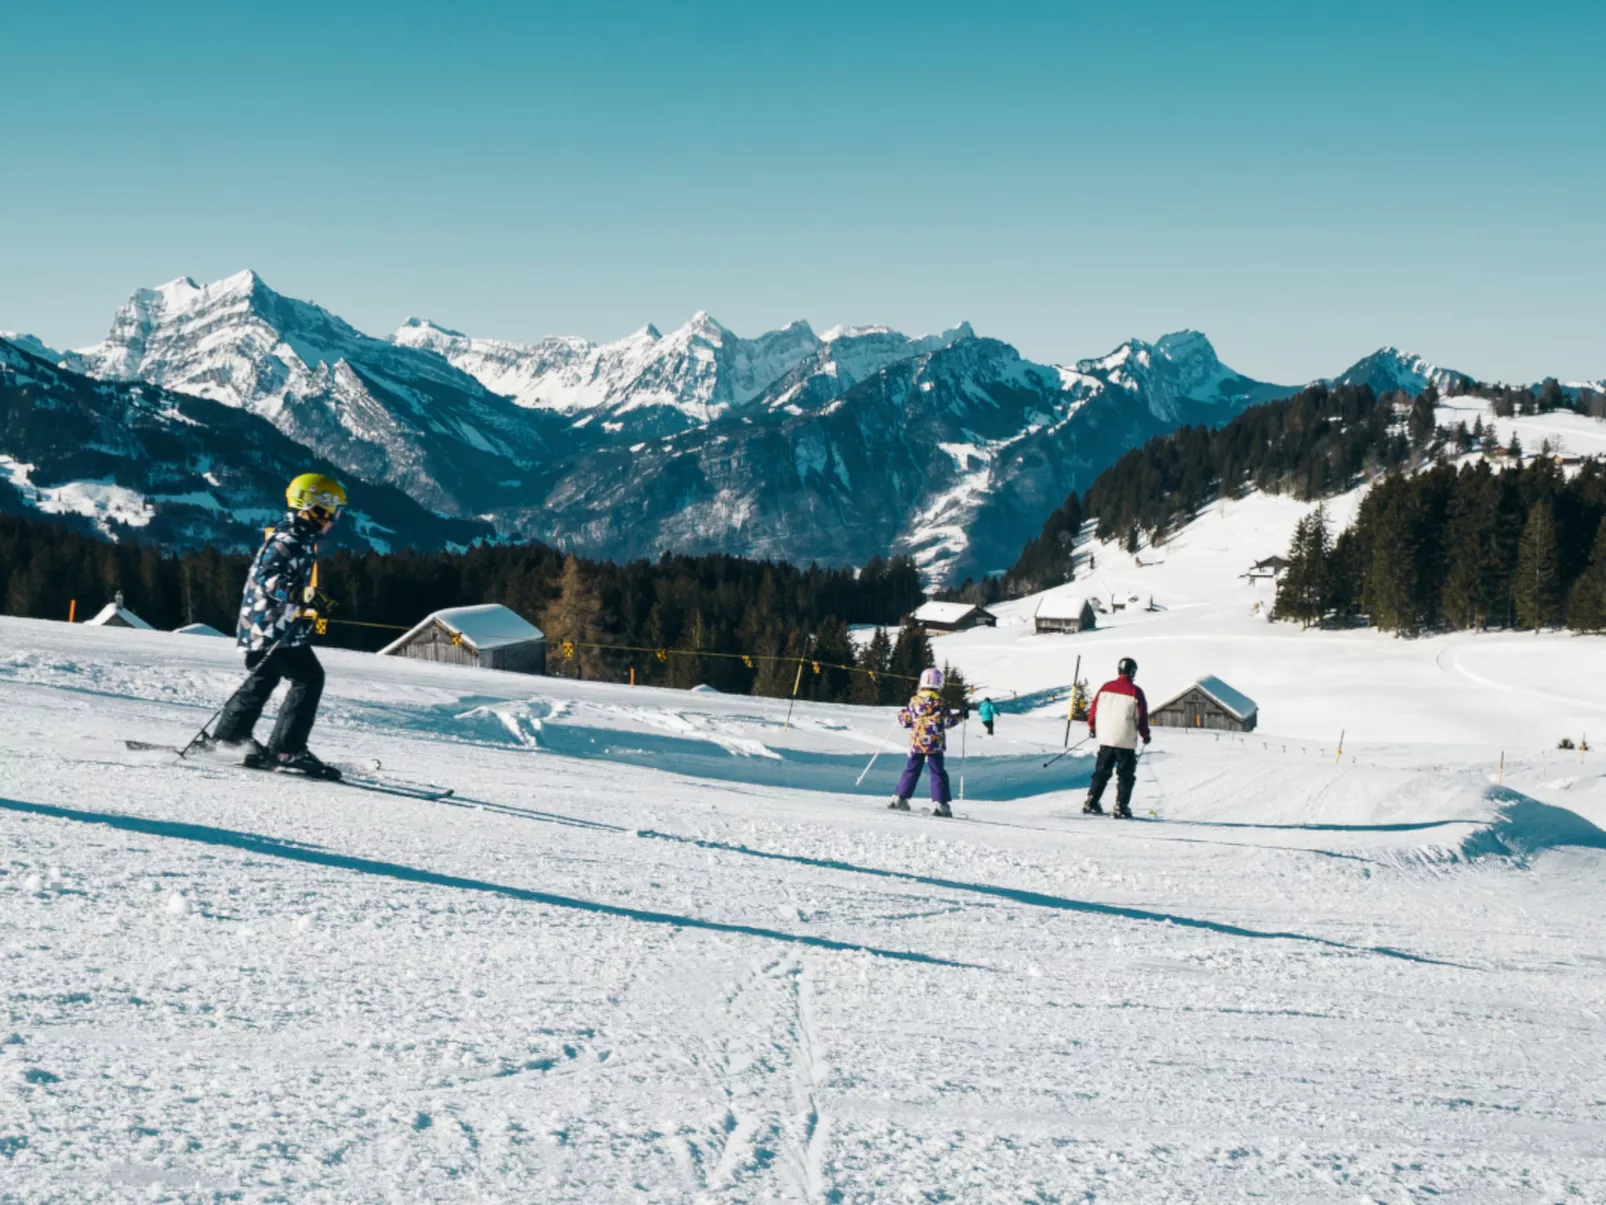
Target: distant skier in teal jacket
987, 713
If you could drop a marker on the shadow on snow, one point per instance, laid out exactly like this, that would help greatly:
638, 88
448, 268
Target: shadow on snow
1039, 900
273, 847
514, 724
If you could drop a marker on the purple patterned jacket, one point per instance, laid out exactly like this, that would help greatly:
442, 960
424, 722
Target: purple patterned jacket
929, 716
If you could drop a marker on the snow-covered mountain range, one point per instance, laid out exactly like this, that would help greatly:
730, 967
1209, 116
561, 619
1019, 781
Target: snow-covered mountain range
382, 411
835, 446
182, 470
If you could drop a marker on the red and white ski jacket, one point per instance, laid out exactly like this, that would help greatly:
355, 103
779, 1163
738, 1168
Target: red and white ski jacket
1119, 715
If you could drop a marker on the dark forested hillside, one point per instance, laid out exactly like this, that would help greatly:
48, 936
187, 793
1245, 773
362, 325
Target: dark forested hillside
698, 606
1467, 548
1315, 443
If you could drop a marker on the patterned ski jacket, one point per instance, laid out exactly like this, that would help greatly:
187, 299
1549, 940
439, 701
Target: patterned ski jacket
275, 587
928, 716
1119, 714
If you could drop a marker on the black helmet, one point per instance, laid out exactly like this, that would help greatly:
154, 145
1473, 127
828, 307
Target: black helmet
1127, 667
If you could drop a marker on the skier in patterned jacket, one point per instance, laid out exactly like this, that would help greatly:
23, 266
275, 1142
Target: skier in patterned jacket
929, 718
277, 617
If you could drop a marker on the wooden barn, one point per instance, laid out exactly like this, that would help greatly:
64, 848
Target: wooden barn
115, 615
1064, 613
1208, 703
489, 636
953, 617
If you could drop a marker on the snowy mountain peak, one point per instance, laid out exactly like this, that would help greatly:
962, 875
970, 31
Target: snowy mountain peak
1389, 369
424, 324
647, 332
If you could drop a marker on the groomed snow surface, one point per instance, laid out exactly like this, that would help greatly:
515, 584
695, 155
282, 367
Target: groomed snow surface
660, 948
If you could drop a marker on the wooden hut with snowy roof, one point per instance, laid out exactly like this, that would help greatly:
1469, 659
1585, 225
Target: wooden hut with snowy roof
953, 616
489, 636
199, 629
115, 615
1208, 703
1064, 613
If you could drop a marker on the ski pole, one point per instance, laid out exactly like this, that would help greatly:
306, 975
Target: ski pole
1063, 752
267, 652
964, 730
877, 753
1070, 712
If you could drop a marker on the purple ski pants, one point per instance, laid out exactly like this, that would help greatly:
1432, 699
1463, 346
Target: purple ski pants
911, 775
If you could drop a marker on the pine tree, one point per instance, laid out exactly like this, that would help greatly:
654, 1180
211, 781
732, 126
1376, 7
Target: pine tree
686, 668
575, 617
1422, 420
872, 686
1390, 586
1304, 589
1536, 588
1586, 610
911, 653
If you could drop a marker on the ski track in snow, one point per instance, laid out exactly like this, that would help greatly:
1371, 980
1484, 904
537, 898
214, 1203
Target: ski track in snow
634, 961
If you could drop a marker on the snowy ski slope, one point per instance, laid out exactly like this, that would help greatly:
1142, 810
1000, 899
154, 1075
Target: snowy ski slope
659, 948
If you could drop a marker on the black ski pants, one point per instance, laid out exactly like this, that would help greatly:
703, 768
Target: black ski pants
300, 709
1123, 763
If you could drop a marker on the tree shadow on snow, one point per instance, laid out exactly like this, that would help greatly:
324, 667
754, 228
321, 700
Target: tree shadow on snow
275, 848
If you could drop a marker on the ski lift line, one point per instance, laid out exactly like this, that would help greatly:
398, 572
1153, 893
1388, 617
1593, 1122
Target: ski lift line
567, 648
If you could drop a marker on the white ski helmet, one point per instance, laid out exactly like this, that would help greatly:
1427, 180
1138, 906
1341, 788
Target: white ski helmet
931, 679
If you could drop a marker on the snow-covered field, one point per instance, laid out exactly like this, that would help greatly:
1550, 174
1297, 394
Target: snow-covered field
659, 948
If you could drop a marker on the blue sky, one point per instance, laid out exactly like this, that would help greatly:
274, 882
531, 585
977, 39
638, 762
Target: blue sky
1302, 182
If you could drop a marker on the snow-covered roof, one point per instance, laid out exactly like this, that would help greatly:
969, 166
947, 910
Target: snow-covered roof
1061, 606
1238, 703
483, 627
198, 629
944, 612
112, 614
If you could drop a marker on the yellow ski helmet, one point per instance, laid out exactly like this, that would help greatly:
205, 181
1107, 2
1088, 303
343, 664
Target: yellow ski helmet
315, 492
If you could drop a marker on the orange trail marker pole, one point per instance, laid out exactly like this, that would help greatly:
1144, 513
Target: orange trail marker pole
72, 611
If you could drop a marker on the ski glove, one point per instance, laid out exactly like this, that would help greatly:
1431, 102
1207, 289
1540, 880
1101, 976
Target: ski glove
317, 601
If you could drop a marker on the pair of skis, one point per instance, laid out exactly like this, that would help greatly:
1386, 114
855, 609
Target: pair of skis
362, 776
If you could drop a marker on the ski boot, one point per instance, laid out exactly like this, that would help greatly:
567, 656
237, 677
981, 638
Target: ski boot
900, 803
942, 809
244, 752
1092, 808
1122, 812
303, 762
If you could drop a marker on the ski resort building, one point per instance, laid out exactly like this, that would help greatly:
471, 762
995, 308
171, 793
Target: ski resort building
1064, 613
199, 629
489, 636
115, 615
1208, 703
1269, 569
952, 617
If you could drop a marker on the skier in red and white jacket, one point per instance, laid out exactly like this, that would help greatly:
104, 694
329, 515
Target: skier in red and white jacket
1118, 719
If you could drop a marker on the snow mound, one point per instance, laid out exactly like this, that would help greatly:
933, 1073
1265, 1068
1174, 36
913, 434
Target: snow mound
1524, 827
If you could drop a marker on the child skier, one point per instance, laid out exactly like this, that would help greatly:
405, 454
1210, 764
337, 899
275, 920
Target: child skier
277, 616
929, 718
988, 714
1118, 717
